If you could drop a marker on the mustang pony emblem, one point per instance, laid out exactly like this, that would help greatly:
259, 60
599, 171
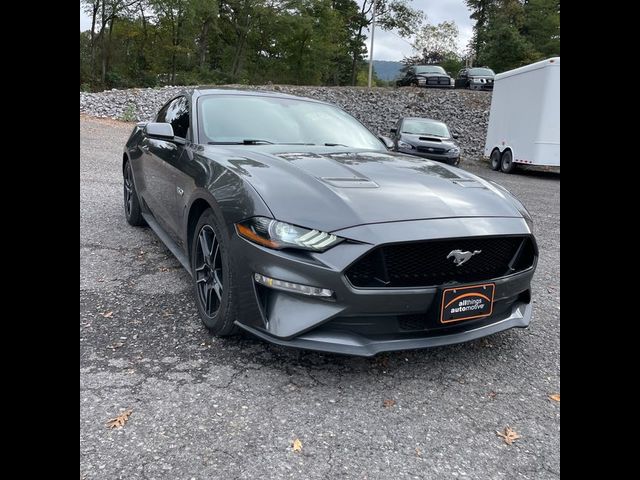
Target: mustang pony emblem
460, 257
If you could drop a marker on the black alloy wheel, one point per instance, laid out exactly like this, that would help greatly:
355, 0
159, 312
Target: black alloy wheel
208, 271
132, 210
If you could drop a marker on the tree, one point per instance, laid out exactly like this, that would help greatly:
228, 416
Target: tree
437, 42
542, 26
505, 47
103, 14
390, 15
481, 10
512, 33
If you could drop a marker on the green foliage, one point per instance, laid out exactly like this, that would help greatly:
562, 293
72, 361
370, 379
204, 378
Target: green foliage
129, 113
512, 33
437, 42
159, 42
438, 45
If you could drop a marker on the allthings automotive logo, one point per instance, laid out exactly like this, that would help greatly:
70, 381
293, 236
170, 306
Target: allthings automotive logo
469, 304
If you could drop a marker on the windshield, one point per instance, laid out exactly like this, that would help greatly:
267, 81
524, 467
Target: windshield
429, 69
423, 127
481, 71
230, 119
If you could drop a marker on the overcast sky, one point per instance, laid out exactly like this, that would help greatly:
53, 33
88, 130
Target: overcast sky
388, 45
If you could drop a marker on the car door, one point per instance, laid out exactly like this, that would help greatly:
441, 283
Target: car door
461, 81
161, 166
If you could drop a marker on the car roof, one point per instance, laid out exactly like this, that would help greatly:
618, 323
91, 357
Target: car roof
207, 90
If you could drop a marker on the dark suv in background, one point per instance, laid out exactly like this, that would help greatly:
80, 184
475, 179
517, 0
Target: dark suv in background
476, 78
426, 76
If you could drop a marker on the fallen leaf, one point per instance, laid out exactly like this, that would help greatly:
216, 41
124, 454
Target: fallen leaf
116, 345
120, 420
164, 269
509, 435
388, 403
418, 452
555, 397
297, 445
107, 314
492, 394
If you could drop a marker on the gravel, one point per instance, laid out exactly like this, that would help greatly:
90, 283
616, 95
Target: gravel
465, 112
208, 408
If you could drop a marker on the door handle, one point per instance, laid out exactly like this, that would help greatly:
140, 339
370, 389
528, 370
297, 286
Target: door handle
144, 148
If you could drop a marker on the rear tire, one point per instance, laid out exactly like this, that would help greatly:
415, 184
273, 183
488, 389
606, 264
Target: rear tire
213, 278
132, 211
495, 159
506, 164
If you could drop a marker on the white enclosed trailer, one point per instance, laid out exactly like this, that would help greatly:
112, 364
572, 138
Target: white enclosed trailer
524, 121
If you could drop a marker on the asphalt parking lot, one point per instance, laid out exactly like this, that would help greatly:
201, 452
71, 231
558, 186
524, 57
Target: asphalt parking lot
206, 408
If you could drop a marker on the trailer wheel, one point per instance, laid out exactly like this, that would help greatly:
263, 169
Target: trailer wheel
507, 164
495, 159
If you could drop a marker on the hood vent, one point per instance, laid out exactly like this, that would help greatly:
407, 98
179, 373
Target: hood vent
468, 183
430, 139
350, 182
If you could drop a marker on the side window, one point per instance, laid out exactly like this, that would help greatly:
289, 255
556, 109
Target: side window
177, 114
162, 114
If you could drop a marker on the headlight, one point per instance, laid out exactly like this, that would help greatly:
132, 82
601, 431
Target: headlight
453, 150
421, 80
402, 144
475, 80
452, 81
278, 235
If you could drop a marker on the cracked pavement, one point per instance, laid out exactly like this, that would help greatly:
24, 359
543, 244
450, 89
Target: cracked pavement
230, 408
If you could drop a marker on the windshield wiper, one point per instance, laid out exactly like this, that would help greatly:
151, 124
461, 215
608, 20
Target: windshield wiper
336, 145
248, 141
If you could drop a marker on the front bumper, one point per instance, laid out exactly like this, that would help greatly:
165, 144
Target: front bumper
360, 321
423, 85
481, 86
444, 157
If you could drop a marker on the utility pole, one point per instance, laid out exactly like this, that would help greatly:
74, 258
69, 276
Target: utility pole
373, 29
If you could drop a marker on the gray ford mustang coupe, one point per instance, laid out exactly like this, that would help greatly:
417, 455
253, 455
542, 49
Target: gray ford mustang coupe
298, 226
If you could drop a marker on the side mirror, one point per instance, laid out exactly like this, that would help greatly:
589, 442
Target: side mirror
159, 130
387, 141
393, 130
455, 135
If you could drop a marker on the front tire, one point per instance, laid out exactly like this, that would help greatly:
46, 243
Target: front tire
495, 159
132, 211
213, 279
507, 165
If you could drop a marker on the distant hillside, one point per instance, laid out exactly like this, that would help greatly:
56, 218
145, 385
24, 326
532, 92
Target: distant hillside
386, 70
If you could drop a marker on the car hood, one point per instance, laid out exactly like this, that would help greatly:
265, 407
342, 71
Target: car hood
331, 189
427, 140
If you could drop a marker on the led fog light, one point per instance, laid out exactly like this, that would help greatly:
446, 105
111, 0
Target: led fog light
292, 287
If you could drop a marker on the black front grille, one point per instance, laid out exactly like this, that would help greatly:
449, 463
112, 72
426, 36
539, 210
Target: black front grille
425, 264
431, 150
438, 81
